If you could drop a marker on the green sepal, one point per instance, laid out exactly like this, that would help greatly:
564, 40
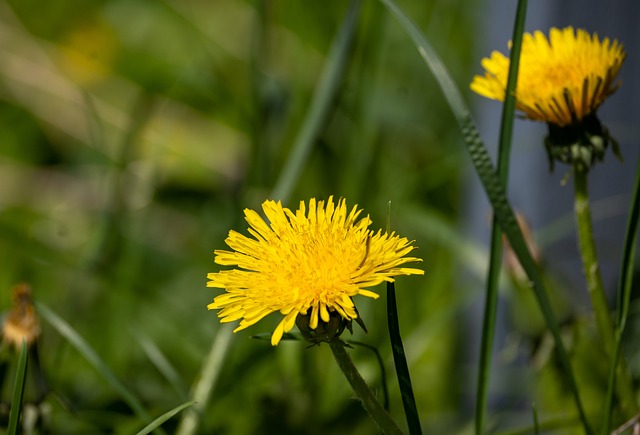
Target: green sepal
580, 144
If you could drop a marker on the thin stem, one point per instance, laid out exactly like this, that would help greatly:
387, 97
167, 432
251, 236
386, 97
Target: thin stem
595, 286
369, 401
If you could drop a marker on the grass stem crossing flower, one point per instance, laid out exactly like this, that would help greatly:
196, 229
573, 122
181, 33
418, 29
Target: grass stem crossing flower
561, 79
309, 262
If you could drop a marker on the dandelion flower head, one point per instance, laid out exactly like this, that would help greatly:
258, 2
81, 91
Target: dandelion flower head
311, 260
561, 79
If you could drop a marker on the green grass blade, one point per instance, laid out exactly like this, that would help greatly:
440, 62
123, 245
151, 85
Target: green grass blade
160, 361
206, 382
81, 345
18, 391
315, 118
164, 417
495, 192
495, 258
400, 362
624, 296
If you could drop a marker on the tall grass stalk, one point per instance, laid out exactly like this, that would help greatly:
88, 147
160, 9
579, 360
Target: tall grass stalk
495, 259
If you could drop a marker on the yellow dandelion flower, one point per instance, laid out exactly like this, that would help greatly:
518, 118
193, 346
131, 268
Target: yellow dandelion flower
308, 261
561, 80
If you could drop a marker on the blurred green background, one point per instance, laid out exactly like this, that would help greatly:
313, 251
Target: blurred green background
132, 136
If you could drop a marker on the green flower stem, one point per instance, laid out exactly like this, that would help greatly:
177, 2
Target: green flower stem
604, 321
361, 389
590, 261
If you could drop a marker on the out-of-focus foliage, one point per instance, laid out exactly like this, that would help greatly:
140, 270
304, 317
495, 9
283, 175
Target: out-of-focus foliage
133, 134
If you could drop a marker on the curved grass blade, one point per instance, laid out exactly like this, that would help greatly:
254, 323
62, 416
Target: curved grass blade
495, 192
319, 109
383, 376
164, 417
495, 258
400, 362
81, 345
18, 390
624, 296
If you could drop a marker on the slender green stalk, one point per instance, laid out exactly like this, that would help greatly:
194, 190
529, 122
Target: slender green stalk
598, 297
624, 297
18, 390
400, 362
495, 192
322, 98
369, 401
495, 259
205, 384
